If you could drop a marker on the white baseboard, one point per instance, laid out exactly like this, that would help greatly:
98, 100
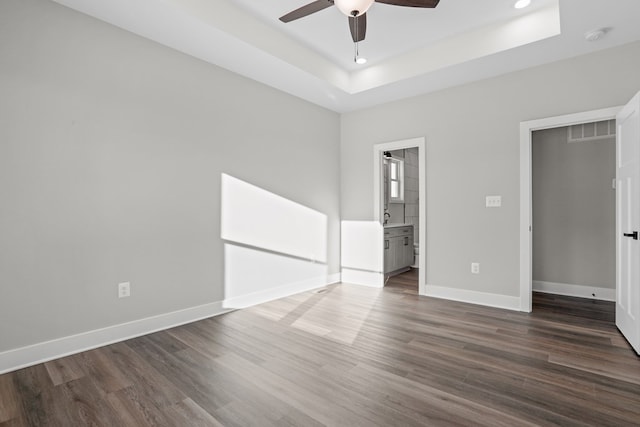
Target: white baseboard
255, 298
581, 291
18, 358
474, 297
23, 357
364, 278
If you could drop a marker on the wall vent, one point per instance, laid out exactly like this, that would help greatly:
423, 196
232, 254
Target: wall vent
605, 129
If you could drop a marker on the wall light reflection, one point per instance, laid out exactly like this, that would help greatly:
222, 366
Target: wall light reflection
274, 247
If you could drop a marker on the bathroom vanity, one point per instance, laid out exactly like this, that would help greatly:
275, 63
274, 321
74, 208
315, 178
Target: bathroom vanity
398, 248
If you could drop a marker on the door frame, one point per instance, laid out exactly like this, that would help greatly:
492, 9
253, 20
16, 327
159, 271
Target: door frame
378, 198
526, 130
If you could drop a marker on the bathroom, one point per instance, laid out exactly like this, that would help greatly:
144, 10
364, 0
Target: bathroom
401, 210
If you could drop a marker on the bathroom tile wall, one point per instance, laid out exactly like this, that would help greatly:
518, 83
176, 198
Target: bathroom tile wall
411, 213
407, 212
396, 210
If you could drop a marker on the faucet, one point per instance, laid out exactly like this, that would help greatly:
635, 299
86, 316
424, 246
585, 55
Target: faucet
387, 215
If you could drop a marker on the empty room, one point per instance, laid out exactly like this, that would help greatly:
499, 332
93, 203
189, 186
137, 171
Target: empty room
329, 212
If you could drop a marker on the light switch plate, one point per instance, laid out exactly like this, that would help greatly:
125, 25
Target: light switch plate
493, 201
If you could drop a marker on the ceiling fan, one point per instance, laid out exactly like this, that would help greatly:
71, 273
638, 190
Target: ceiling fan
356, 11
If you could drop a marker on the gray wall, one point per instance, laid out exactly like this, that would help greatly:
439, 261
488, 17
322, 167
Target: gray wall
111, 154
472, 139
573, 209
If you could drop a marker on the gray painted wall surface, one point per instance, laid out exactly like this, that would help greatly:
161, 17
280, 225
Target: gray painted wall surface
111, 154
573, 209
472, 139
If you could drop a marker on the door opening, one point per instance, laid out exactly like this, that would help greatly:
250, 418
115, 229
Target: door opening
400, 209
526, 242
573, 211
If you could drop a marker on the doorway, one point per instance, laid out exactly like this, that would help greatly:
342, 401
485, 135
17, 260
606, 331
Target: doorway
573, 216
417, 146
526, 241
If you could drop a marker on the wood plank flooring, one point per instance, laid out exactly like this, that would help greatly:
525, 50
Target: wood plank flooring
405, 283
348, 356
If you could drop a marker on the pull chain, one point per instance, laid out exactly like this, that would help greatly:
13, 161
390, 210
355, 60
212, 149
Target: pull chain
355, 43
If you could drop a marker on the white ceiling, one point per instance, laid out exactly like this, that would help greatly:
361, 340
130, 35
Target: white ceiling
410, 51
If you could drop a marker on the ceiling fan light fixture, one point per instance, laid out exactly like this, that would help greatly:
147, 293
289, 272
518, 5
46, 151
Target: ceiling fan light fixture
361, 60
521, 4
349, 6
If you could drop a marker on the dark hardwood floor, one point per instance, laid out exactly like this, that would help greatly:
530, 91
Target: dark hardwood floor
348, 356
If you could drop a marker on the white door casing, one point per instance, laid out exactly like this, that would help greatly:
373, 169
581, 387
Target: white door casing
628, 222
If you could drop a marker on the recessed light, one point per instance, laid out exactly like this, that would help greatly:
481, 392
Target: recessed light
521, 4
360, 60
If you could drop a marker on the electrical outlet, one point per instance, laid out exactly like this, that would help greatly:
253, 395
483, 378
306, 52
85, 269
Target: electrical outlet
475, 267
124, 289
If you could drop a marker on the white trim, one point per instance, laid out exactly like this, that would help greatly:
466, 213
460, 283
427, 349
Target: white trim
474, 297
18, 358
23, 357
373, 279
248, 300
526, 128
378, 195
581, 291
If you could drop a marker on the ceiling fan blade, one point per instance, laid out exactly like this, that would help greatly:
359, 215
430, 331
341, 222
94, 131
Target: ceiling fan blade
358, 36
411, 3
306, 10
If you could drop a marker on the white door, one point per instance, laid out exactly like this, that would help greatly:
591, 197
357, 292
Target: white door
628, 222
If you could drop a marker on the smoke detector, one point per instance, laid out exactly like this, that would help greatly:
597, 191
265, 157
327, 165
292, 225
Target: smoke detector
596, 34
